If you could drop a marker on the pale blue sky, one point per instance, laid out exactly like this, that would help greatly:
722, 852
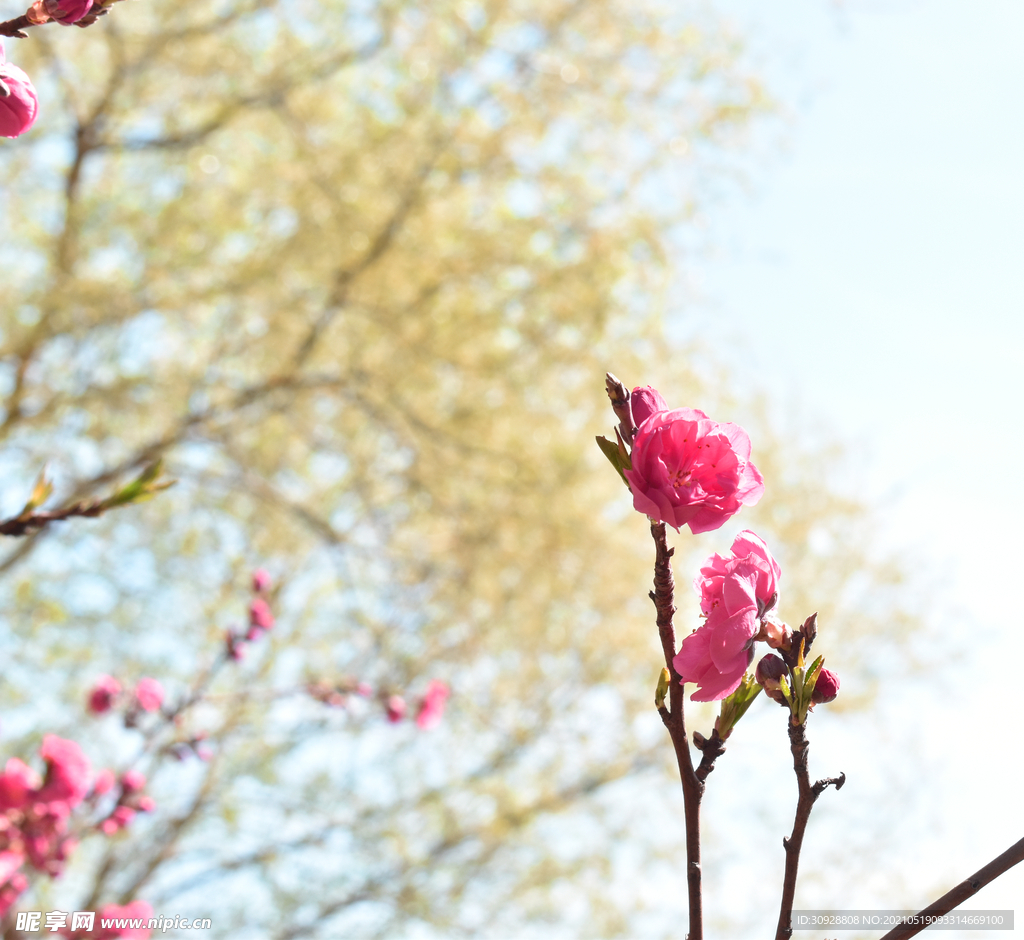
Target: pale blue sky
874, 275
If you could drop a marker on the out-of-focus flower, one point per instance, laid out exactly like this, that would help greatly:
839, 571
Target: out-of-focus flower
260, 614
136, 911
133, 780
17, 784
19, 105
104, 782
690, 470
67, 771
260, 580
395, 707
149, 694
67, 11
431, 709
103, 693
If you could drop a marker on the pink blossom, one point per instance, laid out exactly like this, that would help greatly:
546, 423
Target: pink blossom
149, 694
103, 693
137, 910
432, 707
395, 707
260, 614
690, 470
146, 804
17, 784
19, 107
826, 688
260, 580
133, 780
10, 862
364, 689
67, 11
104, 782
735, 591
67, 771
716, 677
10, 891
644, 402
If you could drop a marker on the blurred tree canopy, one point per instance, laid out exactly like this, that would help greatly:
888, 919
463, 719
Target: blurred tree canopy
356, 271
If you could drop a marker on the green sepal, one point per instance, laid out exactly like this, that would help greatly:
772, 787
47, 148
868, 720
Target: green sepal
143, 487
735, 706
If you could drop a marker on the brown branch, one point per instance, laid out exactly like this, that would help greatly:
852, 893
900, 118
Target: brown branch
13, 28
693, 787
29, 522
956, 896
809, 793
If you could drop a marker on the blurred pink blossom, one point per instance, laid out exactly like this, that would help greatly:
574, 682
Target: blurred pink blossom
149, 694
137, 910
17, 784
103, 693
67, 11
67, 771
133, 781
432, 707
104, 782
395, 707
20, 106
260, 580
260, 615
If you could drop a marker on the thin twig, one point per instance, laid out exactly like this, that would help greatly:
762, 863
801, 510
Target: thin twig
809, 793
955, 897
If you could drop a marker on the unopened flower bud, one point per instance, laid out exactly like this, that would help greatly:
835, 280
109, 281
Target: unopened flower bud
67, 11
395, 706
260, 580
644, 402
260, 614
146, 804
778, 635
770, 670
103, 693
104, 782
826, 688
132, 781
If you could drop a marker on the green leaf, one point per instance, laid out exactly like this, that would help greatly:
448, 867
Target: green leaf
40, 493
612, 453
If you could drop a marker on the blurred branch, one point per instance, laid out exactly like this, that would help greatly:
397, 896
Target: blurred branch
30, 519
956, 896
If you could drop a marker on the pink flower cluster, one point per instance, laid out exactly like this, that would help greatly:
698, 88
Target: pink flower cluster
19, 105
736, 591
147, 696
686, 468
34, 814
261, 618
